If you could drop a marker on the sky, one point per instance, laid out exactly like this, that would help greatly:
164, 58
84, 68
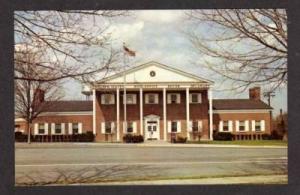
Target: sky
159, 35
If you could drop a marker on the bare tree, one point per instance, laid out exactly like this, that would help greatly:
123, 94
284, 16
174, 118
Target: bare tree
245, 46
30, 94
74, 44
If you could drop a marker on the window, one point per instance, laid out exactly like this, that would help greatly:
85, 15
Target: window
225, 126
75, 128
130, 99
195, 98
151, 98
174, 126
173, 98
242, 126
41, 128
57, 128
257, 126
107, 99
195, 126
107, 127
130, 127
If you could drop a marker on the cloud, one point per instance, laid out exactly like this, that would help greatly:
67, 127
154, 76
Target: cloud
160, 16
126, 31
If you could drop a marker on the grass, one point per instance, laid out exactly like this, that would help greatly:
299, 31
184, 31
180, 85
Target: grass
245, 142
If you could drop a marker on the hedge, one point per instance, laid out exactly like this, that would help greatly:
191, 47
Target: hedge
130, 138
223, 136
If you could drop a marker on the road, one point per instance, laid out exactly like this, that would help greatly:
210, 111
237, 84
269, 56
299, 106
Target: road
68, 164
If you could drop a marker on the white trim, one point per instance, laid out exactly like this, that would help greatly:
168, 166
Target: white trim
36, 129
242, 111
79, 128
81, 113
237, 126
175, 70
262, 125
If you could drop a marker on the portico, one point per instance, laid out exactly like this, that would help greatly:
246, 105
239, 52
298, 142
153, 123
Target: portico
163, 101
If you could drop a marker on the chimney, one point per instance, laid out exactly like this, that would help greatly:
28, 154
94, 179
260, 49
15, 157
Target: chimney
254, 93
39, 96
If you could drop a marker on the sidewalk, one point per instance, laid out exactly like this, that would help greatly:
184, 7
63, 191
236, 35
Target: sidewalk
146, 144
258, 179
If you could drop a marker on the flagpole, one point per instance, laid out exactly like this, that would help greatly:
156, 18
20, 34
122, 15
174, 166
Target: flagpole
124, 88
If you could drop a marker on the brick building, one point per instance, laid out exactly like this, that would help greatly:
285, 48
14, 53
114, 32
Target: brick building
160, 100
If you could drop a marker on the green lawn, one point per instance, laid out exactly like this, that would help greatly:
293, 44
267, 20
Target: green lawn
245, 142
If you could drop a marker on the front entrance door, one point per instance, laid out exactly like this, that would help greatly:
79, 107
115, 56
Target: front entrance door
152, 130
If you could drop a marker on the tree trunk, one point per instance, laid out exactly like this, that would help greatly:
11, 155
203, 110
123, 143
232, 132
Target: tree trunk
28, 133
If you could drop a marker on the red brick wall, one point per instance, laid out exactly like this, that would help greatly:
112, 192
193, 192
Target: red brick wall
243, 116
86, 120
174, 112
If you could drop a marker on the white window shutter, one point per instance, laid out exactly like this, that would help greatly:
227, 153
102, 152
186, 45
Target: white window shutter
230, 126
134, 127
46, 128
246, 125
102, 99
112, 99
178, 98
220, 126
36, 128
200, 126
63, 128
70, 128
178, 126
124, 127
156, 98
253, 125
169, 126
103, 127
52, 128
134, 98
199, 98
80, 128
237, 126
190, 126
190, 98
169, 98
146, 98
112, 127
262, 125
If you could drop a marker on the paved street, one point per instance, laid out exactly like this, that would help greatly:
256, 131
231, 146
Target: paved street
76, 163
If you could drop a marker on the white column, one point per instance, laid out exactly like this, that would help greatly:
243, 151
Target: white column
118, 114
210, 115
165, 113
187, 112
141, 111
94, 111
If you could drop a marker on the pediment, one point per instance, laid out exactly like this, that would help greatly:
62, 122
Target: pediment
153, 72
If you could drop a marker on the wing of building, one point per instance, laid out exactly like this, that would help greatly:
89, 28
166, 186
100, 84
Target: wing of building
160, 101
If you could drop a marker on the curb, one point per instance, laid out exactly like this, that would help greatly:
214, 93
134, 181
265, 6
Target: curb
37, 145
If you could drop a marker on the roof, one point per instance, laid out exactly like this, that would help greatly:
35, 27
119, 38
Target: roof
68, 106
218, 104
153, 63
239, 104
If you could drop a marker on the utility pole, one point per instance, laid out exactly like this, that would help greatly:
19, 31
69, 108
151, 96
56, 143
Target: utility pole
269, 95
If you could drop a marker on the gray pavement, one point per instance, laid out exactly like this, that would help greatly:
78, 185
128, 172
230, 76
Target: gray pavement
83, 163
